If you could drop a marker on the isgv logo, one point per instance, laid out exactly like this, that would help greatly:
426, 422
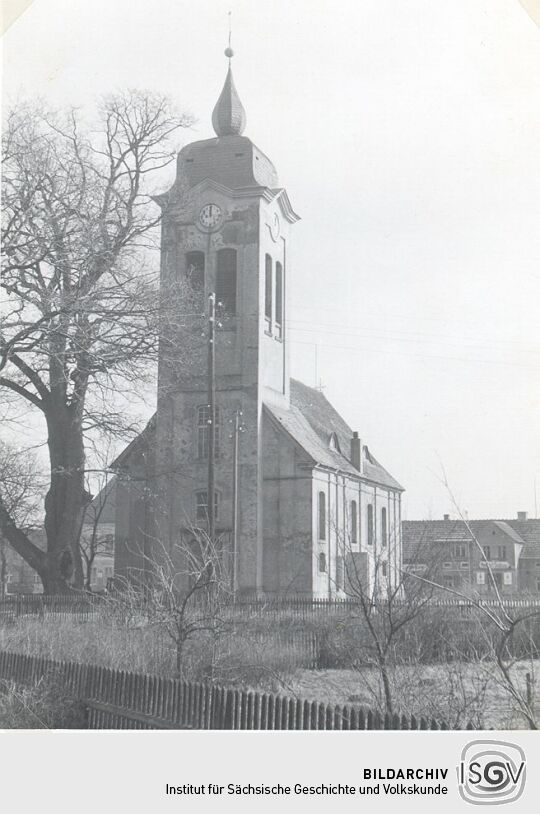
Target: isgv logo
491, 772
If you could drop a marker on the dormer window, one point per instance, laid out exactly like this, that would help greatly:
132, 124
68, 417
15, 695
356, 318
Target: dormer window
334, 442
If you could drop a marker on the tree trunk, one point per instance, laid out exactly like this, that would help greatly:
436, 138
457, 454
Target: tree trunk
388, 701
64, 502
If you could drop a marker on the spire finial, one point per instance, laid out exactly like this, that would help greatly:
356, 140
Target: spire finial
229, 116
229, 53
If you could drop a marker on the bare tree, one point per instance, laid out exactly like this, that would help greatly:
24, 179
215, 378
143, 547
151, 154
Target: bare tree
383, 602
182, 592
82, 312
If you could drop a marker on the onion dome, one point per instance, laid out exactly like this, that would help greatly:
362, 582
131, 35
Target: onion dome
229, 116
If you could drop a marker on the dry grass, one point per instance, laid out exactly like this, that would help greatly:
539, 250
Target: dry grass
456, 692
44, 706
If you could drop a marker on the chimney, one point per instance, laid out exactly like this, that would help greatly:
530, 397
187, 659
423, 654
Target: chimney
356, 451
446, 517
522, 515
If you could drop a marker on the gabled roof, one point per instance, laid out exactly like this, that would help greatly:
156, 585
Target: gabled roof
310, 421
103, 506
529, 532
139, 443
523, 532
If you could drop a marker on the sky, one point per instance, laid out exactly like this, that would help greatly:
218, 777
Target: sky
408, 138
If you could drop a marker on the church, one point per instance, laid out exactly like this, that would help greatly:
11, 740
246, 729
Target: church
298, 495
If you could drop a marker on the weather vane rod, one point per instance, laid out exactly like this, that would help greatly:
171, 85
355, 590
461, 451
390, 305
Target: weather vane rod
229, 51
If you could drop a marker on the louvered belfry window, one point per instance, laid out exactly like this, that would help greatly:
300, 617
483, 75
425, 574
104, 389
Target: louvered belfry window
226, 280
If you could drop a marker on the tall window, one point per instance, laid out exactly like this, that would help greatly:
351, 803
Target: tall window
268, 291
322, 516
487, 552
384, 569
202, 505
370, 524
195, 269
279, 299
322, 562
226, 280
354, 523
384, 527
502, 552
203, 431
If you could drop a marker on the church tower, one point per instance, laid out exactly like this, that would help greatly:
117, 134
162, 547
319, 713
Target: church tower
225, 230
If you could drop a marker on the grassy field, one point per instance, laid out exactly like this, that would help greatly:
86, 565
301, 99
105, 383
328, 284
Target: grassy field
263, 659
457, 693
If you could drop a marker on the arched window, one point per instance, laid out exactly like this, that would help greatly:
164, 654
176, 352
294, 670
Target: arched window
195, 269
268, 291
384, 527
203, 431
322, 516
334, 442
322, 562
370, 524
226, 280
279, 300
354, 523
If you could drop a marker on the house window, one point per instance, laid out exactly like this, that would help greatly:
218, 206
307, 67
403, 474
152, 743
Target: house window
384, 530
195, 269
460, 551
487, 552
340, 573
384, 569
202, 505
322, 562
507, 578
279, 300
448, 582
322, 516
226, 280
502, 552
370, 524
268, 291
480, 578
203, 431
354, 523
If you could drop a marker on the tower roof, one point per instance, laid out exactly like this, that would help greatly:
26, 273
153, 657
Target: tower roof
229, 116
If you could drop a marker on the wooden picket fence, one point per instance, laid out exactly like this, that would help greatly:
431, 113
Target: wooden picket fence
117, 699
85, 606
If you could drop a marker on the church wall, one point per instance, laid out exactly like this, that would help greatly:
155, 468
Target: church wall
340, 551
133, 497
287, 550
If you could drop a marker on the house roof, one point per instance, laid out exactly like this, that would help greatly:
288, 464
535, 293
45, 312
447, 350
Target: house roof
311, 421
102, 508
416, 532
529, 532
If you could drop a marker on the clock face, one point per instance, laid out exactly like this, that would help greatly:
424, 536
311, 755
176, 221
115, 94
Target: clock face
275, 226
210, 216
